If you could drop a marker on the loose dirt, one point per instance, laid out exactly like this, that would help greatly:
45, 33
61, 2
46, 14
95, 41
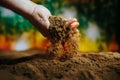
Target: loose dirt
85, 66
64, 42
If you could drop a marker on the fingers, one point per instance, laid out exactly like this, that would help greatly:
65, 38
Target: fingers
47, 23
45, 18
76, 30
42, 14
45, 15
39, 18
70, 21
74, 25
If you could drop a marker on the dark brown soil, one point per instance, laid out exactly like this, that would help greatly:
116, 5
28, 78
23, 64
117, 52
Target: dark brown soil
85, 66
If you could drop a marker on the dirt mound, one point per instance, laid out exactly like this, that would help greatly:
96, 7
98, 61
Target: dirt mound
85, 66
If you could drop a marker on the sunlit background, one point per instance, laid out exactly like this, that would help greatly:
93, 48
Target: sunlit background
97, 18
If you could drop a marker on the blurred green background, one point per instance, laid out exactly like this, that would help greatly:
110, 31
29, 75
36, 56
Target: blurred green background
97, 18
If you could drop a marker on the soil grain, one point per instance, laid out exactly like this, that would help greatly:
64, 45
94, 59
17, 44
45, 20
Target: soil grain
85, 66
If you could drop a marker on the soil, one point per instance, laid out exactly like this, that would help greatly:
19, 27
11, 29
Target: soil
84, 66
61, 61
64, 42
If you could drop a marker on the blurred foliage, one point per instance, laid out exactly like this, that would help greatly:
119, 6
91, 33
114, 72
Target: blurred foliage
53, 5
15, 25
101, 11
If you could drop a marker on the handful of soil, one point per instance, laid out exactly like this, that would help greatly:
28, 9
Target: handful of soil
64, 41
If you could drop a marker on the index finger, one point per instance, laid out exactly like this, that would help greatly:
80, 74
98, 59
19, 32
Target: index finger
70, 21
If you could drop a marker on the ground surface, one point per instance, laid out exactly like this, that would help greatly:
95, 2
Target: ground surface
84, 66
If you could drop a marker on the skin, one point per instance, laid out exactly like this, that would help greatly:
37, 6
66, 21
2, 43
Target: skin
38, 15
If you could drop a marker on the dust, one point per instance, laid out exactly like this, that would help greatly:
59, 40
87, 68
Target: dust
64, 41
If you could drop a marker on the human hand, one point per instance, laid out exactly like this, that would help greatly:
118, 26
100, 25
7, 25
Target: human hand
73, 24
37, 14
39, 18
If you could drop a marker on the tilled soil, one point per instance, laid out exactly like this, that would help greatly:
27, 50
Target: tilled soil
83, 66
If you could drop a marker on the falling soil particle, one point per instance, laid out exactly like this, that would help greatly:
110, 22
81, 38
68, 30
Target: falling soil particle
64, 41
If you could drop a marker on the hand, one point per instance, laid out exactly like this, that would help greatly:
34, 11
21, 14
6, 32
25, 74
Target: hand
36, 14
39, 18
73, 24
